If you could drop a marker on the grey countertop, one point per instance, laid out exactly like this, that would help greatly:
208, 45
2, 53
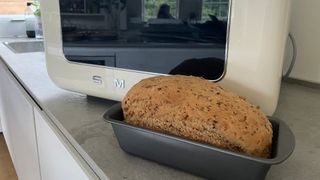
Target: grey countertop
80, 120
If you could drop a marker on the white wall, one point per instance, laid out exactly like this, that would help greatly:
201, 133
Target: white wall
305, 26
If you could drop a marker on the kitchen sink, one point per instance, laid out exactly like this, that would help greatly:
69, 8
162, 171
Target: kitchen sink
25, 47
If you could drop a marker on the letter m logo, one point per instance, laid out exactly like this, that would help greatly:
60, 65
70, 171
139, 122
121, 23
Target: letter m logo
119, 83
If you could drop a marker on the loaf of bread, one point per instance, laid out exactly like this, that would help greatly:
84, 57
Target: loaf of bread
200, 110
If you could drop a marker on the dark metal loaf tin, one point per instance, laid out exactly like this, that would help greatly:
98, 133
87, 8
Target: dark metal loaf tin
197, 158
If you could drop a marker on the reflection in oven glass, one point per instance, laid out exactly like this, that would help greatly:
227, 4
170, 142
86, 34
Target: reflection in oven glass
162, 21
106, 26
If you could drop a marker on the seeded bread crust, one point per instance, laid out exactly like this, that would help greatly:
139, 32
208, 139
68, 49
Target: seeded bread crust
199, 110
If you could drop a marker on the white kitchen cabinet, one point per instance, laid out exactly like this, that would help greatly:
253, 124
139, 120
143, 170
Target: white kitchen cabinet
18, 126
2, 112
1, 104
57, 157
37, 148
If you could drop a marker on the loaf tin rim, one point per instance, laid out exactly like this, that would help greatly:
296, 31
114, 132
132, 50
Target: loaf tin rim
268, 161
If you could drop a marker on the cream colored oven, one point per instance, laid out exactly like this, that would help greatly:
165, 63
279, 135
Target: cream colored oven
103, 47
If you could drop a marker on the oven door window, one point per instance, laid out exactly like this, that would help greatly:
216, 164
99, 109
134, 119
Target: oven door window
160, 36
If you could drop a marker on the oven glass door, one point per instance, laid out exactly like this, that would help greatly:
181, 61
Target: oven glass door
160, 36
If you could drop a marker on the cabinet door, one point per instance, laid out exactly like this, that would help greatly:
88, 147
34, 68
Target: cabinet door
56, 156
2, 112
19, 127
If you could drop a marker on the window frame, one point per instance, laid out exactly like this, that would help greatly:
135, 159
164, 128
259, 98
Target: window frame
220, 2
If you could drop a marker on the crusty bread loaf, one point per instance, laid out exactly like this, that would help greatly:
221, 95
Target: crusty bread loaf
199, 110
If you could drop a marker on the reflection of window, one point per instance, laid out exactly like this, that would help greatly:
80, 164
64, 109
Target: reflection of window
151, 8
218, 8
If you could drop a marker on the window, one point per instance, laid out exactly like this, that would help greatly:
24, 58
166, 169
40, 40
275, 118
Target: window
151, 8
12, 7
218, 8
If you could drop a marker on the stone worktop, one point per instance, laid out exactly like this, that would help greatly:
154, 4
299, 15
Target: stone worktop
80, 119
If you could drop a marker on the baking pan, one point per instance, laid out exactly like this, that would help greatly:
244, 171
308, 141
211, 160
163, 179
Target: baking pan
197, 158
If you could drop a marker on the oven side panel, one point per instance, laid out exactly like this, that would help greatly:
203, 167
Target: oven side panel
257, 39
